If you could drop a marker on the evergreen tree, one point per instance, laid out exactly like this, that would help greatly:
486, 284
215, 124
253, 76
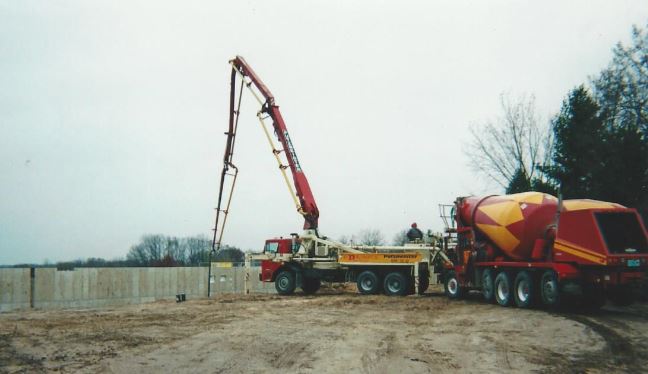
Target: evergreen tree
622, 92
519, 183
624, 175
580, 140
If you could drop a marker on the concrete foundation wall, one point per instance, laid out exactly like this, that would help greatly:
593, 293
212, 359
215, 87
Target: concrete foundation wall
95, 287
15, 289
233, 280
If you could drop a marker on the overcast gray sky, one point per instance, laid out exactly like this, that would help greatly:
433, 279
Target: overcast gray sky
112, 113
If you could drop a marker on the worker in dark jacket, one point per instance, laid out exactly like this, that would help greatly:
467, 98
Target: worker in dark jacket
414, 233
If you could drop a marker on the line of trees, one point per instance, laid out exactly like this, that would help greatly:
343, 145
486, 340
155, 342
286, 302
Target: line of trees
364, 237
596, 147
161, 250
158, 250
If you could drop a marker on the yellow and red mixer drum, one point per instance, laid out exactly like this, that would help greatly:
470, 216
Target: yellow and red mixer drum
514, 222
511, 222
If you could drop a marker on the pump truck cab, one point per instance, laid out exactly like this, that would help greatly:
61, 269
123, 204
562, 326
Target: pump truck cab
530, 248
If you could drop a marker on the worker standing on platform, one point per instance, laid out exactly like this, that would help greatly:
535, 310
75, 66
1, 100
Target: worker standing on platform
414, 234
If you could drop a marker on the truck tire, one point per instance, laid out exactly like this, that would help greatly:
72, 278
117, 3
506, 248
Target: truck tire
524, 290
452, 286
395, 284
368, 283
503, 289
550, 289
488, 285
285, 282
310, 285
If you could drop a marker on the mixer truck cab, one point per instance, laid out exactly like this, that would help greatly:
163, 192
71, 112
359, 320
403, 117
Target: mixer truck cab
527, 249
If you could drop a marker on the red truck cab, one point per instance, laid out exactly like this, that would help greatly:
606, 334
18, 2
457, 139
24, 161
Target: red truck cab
274, 247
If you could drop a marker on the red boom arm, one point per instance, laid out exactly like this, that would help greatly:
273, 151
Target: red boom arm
308, 206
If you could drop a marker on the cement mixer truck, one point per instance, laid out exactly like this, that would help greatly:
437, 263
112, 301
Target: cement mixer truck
530, 248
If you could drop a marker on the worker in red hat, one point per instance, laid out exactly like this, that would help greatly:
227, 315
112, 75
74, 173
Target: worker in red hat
414, 234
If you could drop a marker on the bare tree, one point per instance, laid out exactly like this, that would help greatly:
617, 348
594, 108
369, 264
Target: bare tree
151, 249
516, 143
400, 238
197, 248
344, 239
137, 255
371, 237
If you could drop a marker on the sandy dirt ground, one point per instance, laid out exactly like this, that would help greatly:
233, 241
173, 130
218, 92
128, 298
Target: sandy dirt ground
327, 333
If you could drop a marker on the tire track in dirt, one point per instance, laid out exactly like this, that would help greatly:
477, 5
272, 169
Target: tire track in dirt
620, 353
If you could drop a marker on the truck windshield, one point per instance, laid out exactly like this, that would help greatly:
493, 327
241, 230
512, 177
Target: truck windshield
622, 232
271, 247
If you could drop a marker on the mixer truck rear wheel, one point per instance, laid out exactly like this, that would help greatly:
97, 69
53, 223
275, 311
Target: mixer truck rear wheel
488, 288
396, 284
524, 290
285, 283
550, 289
503, 289
368, 283
452, 285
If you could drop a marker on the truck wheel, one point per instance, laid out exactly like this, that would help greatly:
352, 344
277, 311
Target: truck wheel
285, 283
550, 289
524, 290
503, 289
368, 283
310, 285
395, 284
488, 288
452, 286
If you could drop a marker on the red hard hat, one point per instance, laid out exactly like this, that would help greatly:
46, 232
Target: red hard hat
414, 225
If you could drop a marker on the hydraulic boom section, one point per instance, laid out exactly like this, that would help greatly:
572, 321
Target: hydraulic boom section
302, 194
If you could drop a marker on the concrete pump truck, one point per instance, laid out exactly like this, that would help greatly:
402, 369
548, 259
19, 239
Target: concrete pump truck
305, 260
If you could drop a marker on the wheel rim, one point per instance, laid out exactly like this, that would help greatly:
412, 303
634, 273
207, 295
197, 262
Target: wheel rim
453, 286
367, 284
394, 285
502, 291
549, 288
523, 291
283, 283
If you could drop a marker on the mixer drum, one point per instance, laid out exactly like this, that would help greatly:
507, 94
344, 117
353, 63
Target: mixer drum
511, 222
